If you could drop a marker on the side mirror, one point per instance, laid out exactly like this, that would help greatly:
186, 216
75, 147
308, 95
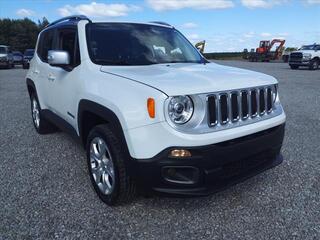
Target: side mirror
58, 58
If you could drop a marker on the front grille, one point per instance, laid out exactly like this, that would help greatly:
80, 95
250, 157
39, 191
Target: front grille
295, 57
241, 105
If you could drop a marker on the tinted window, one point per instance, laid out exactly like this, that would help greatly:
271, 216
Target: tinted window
310, 47
3, 50
138, 44
29, 52
45, 44
68, 41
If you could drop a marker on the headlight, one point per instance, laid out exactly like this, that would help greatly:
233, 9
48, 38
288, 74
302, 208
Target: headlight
180, 109
307, 56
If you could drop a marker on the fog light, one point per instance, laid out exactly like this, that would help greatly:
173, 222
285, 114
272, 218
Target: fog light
181, 174
180, 153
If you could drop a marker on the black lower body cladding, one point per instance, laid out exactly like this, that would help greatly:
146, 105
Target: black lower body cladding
211, 168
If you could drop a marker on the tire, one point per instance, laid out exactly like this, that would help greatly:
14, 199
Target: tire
294, 66
314, 64
106, 165
41, 124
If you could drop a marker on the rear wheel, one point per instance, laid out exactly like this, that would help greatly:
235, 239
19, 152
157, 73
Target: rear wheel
106, 165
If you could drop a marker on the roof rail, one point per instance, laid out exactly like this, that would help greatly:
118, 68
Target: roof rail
162, 23
69, 18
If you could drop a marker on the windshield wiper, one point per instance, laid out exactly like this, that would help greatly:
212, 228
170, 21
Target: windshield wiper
112, 62
183, 62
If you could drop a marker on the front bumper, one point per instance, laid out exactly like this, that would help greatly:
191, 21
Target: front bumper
4, 62
300, 63
213, 167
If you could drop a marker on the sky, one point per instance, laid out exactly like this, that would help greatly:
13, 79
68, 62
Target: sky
226, 25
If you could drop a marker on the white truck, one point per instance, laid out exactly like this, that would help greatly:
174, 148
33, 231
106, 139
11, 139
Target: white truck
150, 110
6, 57
306, 56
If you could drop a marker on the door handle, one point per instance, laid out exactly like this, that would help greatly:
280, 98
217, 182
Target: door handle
36, 71
51, 77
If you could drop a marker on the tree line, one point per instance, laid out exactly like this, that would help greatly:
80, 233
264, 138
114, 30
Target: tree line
20, 34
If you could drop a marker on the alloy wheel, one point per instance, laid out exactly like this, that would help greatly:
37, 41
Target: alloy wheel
35, 113
102, 168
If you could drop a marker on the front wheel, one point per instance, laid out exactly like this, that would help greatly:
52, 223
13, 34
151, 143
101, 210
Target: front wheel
314, 64
294, 66
106, 164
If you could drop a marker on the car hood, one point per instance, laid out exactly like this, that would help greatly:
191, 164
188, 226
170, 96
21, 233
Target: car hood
304, 51
190, 78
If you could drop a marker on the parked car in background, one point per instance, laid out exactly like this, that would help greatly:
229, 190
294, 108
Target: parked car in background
28, 55
17, 57
306, 56
6, 57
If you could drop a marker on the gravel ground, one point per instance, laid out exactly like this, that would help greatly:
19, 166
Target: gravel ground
45, 192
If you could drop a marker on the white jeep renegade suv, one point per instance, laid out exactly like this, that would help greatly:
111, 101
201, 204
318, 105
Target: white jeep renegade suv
150, 110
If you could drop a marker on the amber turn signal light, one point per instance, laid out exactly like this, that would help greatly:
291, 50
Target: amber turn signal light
180, 153
151, 107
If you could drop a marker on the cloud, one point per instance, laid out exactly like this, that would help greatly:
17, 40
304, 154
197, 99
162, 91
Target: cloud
312, 1
25, 12
193, 37
162, 5
98, 9
284, 34
189, 25
263, 3
249, 34
265, 34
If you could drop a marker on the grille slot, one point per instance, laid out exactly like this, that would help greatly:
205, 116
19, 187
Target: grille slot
224, 108
254, 105
269, 100
234, 107
262, 102
230, 107
244, 104
212, 108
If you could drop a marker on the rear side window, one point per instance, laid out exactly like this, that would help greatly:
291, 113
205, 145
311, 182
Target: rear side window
45, 44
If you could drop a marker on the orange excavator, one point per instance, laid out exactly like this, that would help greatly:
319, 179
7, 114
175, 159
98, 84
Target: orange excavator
263, 52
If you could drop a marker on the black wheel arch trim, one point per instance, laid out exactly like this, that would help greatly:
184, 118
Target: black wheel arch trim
111, 119
30, 84
104, 113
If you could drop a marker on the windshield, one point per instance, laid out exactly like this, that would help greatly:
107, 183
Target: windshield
310, 47
138, 44
3, 50
29, 52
